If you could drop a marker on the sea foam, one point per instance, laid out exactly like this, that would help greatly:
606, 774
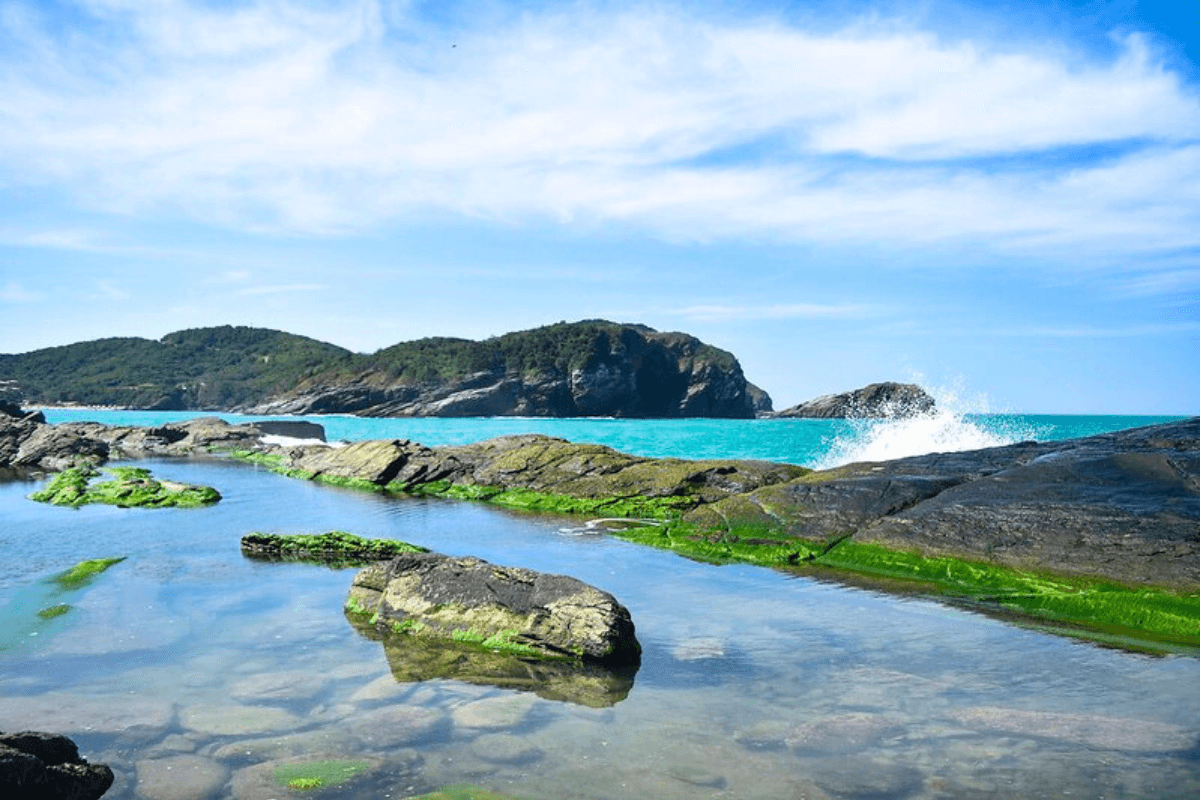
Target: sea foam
956, 423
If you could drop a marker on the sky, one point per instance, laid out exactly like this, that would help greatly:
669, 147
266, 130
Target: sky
1001, 198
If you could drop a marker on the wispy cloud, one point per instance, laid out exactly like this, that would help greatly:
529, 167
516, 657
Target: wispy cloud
718, 312
252, 291
278, 116
13, 292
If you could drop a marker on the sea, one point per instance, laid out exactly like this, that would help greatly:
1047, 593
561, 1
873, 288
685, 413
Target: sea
196, 673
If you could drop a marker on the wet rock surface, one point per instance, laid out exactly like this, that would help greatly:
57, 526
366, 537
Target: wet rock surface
501, 608
1122, 505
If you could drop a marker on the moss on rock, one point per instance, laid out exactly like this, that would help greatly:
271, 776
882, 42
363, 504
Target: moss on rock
334, 548
130, 487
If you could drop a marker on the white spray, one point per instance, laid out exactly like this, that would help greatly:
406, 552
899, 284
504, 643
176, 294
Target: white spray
952, 425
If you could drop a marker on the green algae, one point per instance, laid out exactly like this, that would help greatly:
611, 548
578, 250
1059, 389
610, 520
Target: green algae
54, 611
1098, 608
333, 548
130, 487
37, 608
1086, 604
519, 499
318, 774
83, 573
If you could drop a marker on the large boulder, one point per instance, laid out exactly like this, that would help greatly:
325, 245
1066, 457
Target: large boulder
1123, 505
523, 612
885, 400
46, 766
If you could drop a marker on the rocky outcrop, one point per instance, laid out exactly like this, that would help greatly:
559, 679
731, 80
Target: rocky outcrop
27, 443
1122, 505
501, 608
46, 766
876, 400
586, 369
760, 401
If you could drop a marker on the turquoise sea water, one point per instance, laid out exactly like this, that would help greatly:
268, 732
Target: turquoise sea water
195, 672
809, 442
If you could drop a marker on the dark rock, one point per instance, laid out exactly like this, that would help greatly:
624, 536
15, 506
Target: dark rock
46, 766
336, 548
760, 401
1122, 505
876, 400
503, 608
295, 429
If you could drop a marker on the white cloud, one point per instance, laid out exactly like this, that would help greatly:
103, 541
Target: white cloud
13, 292
279, 117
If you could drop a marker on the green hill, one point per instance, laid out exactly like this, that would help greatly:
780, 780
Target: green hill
593, 367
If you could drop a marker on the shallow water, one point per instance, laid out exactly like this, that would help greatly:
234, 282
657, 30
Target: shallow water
188, 668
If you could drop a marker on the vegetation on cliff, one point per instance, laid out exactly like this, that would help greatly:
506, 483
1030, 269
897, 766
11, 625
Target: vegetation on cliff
241, 368
203, 368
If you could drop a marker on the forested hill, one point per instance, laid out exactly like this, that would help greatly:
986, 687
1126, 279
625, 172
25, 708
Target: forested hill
594, 368
205, 368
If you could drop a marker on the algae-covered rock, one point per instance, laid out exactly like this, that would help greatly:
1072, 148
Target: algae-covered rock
334, 548
521, 611
130, 487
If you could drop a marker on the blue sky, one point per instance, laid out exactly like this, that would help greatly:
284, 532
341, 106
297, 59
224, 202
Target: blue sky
1002, 197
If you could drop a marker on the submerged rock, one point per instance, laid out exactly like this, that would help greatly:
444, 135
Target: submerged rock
47, 766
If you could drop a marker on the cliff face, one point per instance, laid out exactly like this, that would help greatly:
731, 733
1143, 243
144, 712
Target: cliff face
579, 370
876, 400
590, 368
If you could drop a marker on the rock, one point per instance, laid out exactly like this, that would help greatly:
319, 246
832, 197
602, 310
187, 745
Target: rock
291, 429
336, 548
845, 733
1090, 730
236, 720
501, 748
493, 713
130, 487
500, 608
875, 400
184, 777
57, 447
47, 766
322, 740
390, 726
74, 713
301, 776
278, 687
760, 401
1123, 505
866, 779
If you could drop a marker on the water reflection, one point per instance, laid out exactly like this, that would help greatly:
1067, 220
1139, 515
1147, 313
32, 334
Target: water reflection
196, 673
